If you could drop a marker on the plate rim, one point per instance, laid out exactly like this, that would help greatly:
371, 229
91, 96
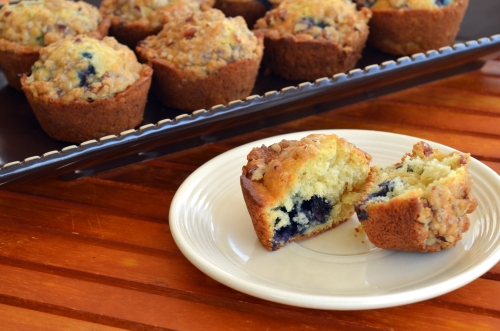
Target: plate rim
316, 301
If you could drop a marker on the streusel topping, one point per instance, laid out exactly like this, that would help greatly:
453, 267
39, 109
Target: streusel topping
42, 22
334, 20
203, 42
83, 68
154, 13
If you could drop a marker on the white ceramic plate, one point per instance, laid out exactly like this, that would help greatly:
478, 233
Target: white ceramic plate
338, 269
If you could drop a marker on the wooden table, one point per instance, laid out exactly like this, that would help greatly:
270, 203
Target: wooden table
97, 253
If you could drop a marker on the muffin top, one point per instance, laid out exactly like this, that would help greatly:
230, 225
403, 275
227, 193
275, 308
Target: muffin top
83, 68
153, 13
410, 4
42, 22
203, 42
335, 20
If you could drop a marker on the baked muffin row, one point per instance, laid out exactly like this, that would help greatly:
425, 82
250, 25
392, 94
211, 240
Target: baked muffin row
200, 57
82, 88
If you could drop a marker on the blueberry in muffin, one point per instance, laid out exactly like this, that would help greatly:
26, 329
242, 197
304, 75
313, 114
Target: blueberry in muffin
310, 39
297, 189
203, 60
134, 20
405, 27
27, 26
419, 204
83, 88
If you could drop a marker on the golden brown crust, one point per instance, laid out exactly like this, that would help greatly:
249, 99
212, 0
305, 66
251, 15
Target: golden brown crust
79, 121
310, 59
395, 226
16, 59
256, 208
187, 91
406, 32
251, 11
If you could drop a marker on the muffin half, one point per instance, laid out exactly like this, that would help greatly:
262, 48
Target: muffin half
82, 88
419, 204
296, 189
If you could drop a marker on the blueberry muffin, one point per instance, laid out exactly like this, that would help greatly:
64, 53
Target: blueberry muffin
250, 10
310, 39
82, 88
134, 20
27, 26
202, 61
419, 204
296, 189
405, 27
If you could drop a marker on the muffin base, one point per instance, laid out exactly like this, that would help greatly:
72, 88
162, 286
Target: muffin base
187, 91
251, 11
15, 59
406, 32
295, 59
80, 121
130, 33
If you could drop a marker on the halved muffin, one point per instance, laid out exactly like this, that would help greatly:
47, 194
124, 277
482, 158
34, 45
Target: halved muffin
419, 204
310, 39
27, 26
297, 189
82, 88
203, 60
405, 27
134, 20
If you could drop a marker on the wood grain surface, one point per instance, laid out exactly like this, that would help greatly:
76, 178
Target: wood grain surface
97, 253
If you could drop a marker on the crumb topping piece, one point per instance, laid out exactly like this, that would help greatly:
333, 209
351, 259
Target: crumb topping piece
334, 20
410, 4
203, 42
154, 13
42, 22
83, 68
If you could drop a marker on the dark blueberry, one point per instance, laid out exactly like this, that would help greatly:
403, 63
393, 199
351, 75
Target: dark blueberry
83, 75
316, 211
87, 55
361, 212
310, 23
442, 3
409, 169
399, 166
266, 4
384, 188
285, 233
